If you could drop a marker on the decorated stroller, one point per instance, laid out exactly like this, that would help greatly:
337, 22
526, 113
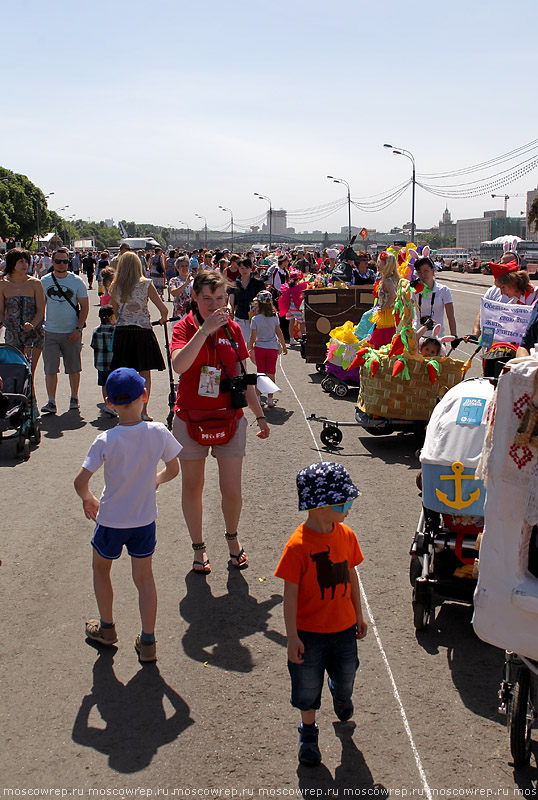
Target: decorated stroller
18, 414
445, 547
341, 351
506, 597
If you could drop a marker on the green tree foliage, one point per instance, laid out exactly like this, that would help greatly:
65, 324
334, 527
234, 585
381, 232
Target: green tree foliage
19, 202
532, 219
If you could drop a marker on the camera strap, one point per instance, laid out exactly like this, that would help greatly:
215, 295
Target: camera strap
420, 304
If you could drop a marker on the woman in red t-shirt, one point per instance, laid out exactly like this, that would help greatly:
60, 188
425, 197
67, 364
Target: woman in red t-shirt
204, 355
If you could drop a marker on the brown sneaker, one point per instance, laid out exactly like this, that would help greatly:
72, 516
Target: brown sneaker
146, 652
96, 633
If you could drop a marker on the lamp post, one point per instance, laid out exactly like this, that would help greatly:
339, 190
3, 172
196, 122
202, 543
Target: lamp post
230, 212
56, 224
341, 180
37, 219
400, 151
201, 216
188, 231
264, 197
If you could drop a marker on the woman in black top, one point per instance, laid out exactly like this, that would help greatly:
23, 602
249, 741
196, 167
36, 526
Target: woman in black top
243, 293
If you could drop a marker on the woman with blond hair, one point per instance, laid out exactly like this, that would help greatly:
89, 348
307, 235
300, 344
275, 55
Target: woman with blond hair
383, 314
134, 343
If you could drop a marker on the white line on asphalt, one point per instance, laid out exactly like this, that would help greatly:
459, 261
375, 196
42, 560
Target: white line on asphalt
395, 691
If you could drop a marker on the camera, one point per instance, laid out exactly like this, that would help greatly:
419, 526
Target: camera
428, 322
237, 386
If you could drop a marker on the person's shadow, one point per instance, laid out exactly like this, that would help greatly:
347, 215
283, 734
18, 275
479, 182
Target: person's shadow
218, 624
352, 772
134, 717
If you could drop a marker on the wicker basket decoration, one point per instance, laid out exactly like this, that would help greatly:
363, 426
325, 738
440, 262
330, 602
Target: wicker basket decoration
398, 382
415, 398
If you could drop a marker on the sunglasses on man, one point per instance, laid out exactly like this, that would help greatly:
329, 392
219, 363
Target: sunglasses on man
61, 261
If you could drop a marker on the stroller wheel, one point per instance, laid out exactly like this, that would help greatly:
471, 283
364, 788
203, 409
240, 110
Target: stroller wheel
415, 570
340, 390
328, 383
331, 436
35, 435
421, 616
521, 716
320, 368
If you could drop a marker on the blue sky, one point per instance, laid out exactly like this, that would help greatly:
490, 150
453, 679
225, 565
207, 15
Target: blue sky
158, 111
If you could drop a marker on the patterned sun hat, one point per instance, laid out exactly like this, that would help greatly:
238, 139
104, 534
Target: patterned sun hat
324, 483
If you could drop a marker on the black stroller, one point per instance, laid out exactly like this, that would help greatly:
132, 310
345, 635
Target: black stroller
17, 410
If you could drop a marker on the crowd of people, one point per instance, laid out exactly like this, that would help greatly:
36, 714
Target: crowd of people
228, 309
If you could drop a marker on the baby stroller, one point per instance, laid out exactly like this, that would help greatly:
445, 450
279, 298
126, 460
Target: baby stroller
18, 415
445, 546
340, 380
506, 596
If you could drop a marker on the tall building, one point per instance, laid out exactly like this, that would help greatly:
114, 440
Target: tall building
447, 228
531, 233
279, 222
470, 232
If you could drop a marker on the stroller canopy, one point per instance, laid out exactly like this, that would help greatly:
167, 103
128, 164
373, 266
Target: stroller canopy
457, 425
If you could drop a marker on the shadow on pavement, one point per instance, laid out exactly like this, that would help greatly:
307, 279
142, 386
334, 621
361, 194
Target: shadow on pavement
218, 624
277, 415
526, 778
352, 772
53, 425
475, 666
135, 722
399, 448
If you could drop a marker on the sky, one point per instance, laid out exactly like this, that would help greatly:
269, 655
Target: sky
156, 112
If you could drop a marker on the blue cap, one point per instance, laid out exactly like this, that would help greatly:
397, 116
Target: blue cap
325, 483
124, 385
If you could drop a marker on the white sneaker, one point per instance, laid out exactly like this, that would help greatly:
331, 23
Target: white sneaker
271, 402
292, 340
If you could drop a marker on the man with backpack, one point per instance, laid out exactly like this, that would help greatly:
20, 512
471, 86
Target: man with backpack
66, 310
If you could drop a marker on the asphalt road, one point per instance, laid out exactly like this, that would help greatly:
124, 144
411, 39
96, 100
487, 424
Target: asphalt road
213, 714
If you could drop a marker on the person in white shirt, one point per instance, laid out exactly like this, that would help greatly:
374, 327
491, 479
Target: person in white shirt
126, 512
434, 300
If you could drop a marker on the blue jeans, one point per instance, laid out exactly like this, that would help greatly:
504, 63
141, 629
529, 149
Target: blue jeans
335, 653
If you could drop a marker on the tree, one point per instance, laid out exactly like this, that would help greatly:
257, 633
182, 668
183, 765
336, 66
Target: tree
20, 200
532, 219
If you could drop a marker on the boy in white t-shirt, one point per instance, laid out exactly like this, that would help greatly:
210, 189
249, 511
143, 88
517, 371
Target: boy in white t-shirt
127, 509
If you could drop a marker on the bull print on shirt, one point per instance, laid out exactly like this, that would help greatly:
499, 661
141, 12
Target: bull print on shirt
329, 573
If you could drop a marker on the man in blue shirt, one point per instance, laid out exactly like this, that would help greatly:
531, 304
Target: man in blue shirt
67, 307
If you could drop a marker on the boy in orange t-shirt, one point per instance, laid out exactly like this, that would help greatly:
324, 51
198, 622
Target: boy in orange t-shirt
322, 605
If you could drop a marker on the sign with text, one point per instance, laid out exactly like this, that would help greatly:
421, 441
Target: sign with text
509, 321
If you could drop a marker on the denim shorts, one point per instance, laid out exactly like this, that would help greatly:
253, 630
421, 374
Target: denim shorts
335, 653
140, 542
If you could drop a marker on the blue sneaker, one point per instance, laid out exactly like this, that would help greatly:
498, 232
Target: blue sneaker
344, 711
308, 750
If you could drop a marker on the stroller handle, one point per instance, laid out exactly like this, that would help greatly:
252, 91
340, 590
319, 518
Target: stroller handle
170, 319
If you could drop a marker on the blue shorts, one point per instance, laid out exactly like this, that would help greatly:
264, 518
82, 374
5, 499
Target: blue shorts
335, 653
140, 542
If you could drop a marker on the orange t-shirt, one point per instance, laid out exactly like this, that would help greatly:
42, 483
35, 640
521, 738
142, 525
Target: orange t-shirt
320, 564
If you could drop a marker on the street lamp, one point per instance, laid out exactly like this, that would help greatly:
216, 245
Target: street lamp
37, 219
400, 151
201, 216
188, 231
341, 180
56, 224
230, 212
263, 197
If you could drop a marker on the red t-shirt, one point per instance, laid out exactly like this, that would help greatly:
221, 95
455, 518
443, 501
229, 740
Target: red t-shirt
232, 275
320, 564
215, 349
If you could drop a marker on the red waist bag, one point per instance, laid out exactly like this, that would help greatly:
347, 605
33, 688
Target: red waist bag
211, 427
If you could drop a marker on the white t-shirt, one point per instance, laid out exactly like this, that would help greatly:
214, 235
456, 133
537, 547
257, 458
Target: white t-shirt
495, 294
130, 454
433, 305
